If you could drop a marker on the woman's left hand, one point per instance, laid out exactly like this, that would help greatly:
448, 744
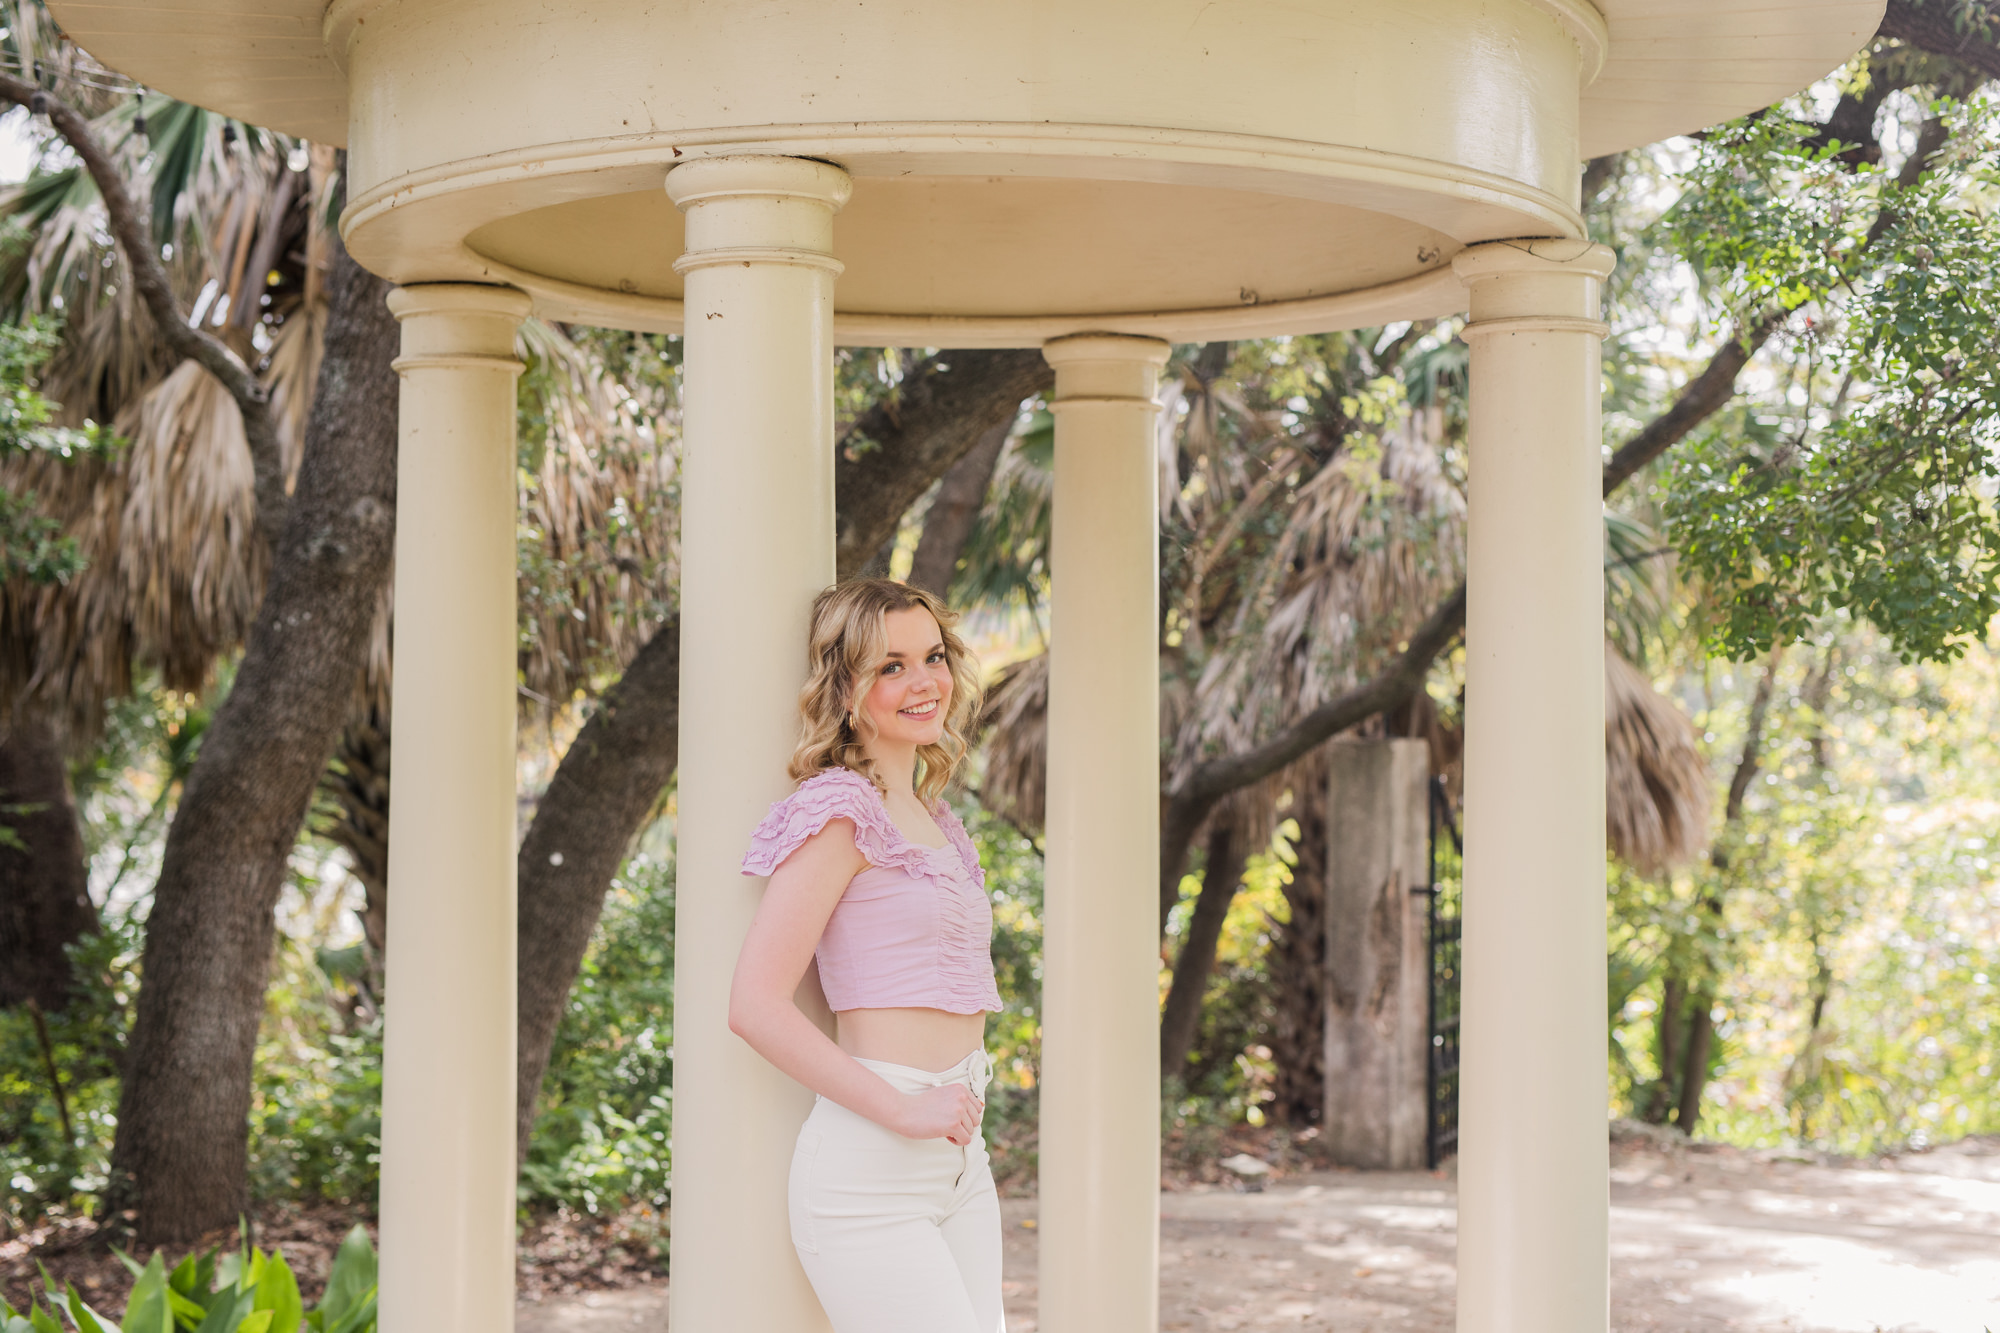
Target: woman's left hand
949, 1112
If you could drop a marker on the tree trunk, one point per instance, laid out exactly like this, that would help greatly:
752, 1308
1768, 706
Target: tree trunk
1226, 858
608, 783
1296, 965
940, 411
1694, 1069
1673, 1005
359, 783
1684, 1067
954, 510
180, 1157
44, 890
1821, 990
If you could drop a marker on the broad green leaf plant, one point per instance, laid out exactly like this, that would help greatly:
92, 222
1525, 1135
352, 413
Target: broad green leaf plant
245, 1292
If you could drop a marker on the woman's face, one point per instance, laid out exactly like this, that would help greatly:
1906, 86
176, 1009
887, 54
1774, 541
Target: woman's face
911, 691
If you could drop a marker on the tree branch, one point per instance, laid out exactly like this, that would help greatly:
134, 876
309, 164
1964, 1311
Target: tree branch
1189, 803
609, 780
1961, 32
1701, 398
1704, 395
894, 451
1218, 777
955, 510
131, 227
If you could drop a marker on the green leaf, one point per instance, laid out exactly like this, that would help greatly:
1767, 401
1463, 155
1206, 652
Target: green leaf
227, 1311
352, 1278
258, 1321
41, 1321
194, 1277
233, 1271
278, 1292
360, 1319
147, 1309
188, 1312
86, 1319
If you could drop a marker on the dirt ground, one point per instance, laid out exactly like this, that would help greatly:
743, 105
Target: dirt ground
1702, 1238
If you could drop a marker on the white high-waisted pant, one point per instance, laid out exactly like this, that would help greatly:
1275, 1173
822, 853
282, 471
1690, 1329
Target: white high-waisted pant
898, 1235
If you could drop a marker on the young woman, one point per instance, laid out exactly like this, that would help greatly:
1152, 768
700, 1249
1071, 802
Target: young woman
892, 1204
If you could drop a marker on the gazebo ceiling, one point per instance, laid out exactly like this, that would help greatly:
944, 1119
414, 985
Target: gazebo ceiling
1022, 168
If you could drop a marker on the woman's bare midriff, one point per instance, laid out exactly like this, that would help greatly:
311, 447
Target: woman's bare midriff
928, 1039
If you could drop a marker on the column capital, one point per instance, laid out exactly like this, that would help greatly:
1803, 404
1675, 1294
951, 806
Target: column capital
758, 209
1105, 368
452, 298
1535, 286
1074, 347
708, 178
460, 325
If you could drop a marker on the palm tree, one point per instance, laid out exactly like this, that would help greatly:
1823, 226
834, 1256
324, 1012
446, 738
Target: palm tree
164, 524
172, 523
173, 569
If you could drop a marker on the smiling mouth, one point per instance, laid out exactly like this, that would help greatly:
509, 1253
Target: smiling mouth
922, 710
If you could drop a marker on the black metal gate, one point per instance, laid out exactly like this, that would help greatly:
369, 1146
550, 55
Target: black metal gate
1441, 1082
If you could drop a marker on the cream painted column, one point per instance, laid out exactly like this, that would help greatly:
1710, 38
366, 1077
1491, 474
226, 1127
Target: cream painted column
448, 1058
756, 546
1533, 1166
1100, 1095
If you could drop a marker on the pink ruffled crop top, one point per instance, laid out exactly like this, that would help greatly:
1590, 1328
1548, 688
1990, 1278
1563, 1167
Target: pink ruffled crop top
914, 929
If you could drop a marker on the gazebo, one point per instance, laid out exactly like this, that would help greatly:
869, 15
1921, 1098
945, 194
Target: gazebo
1099, 178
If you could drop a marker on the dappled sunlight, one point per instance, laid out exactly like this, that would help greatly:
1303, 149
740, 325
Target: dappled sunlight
1700, 1238
1838, 1284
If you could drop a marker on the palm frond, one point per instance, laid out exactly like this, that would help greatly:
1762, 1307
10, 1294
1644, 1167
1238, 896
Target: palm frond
166, 522
1638, 586
1371, 544
599, 516
1657, 787
1005, 565
1014, 717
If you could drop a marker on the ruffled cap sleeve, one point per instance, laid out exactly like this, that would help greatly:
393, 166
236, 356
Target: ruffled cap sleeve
834, 793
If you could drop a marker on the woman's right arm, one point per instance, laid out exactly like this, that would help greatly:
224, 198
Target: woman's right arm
801, 896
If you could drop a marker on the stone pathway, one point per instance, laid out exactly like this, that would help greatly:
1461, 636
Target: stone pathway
1701, 1239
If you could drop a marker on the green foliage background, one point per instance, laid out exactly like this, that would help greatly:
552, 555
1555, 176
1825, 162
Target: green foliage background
1864, 872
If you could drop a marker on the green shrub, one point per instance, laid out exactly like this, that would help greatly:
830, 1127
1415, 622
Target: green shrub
602, 1132
245, 1292
316, 1119
42, 1166
1013, 866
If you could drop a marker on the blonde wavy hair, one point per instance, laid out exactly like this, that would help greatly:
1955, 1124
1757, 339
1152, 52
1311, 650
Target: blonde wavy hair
848, 641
